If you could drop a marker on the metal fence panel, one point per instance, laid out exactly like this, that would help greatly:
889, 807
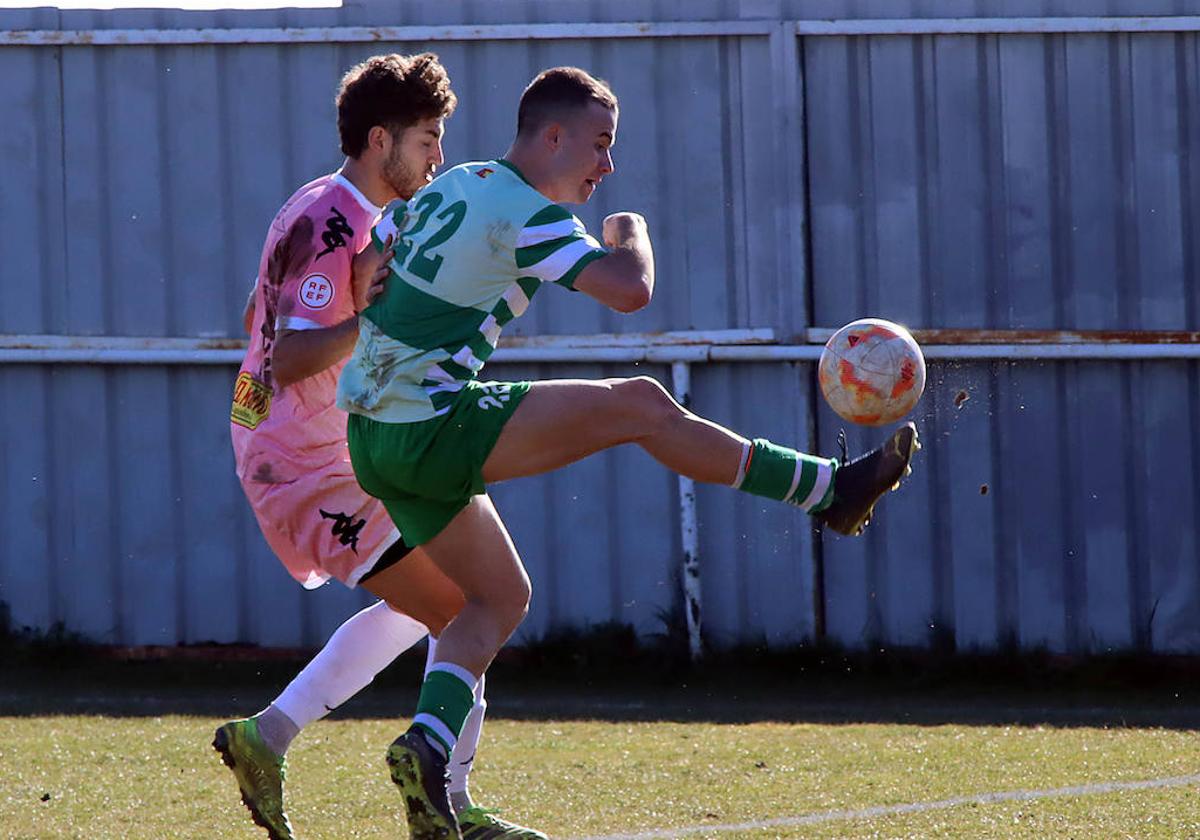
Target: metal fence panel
1003, 181
756, 555
600, 538
176, 158
1044, 513
1018, 181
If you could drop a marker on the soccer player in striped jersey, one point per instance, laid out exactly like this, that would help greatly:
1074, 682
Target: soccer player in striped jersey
290, 439
426, 437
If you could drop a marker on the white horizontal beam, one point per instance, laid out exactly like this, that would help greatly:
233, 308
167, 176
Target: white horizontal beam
1062, 352
669, 338
977, 352
382, 34
999, 26
590, 31
956, 336
752, 335
655, 348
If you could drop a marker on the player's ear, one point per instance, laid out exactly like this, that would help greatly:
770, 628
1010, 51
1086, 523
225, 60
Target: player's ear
552, 136
379, 139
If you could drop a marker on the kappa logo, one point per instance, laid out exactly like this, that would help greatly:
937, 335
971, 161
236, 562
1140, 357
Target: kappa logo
345, 528
335, 233
316, 291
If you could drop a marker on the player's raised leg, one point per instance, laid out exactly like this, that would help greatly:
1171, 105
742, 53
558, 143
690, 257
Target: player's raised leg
561, 421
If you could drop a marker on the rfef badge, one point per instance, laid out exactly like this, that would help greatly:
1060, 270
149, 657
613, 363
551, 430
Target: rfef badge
316, 291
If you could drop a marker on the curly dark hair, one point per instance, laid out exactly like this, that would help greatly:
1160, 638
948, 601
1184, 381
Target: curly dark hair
394, 91
557, 90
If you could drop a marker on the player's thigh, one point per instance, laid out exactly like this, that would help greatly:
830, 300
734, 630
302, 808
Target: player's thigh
477, 553
416, 587
562, 421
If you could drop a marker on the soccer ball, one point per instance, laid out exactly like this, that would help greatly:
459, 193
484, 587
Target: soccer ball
872, 372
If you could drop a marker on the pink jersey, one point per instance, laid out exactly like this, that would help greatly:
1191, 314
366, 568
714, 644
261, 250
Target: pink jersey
304, 282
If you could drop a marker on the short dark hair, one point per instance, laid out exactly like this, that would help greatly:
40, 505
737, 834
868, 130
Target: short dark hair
394, 91
557, 90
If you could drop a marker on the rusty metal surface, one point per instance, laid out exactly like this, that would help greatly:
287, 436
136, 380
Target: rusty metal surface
968, 336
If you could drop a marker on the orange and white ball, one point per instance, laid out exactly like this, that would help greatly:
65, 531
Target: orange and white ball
872, 372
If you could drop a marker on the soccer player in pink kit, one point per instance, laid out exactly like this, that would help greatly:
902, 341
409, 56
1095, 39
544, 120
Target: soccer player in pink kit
289, 438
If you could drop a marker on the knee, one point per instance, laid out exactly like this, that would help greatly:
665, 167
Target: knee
508, 604
516, 604
435, 609
441, 615
650, 401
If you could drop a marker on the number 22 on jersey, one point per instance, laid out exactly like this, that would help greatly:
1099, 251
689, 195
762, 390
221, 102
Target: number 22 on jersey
424, 262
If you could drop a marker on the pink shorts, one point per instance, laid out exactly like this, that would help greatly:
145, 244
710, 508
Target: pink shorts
322, 524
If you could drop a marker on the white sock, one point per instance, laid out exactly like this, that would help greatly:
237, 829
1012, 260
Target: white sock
364, 645
462, 757
276, 729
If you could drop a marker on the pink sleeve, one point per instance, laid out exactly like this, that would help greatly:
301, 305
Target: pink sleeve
316, 275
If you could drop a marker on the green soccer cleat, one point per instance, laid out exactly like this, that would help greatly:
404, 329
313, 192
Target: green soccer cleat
260, 775
420, 772
858, 484
482, 824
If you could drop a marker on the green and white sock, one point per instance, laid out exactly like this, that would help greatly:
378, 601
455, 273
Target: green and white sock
777, 472
446, 699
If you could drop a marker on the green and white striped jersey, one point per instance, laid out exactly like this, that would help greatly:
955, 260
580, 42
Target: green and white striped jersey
471, 249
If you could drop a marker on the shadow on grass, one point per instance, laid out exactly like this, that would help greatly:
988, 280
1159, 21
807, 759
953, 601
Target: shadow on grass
607, 673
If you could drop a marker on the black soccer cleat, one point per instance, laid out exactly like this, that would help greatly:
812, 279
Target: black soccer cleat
420, 772
858, 484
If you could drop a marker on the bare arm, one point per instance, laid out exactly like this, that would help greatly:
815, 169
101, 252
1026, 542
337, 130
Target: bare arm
623, 279
299, 354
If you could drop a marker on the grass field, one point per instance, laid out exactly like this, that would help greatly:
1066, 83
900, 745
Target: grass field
93, 761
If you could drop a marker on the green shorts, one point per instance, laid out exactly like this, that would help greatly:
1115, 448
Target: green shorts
426, 472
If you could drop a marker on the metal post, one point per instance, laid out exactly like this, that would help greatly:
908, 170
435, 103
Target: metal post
681, 384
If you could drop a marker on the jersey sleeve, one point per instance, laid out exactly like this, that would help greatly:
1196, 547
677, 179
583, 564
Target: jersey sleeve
316, 290
554, 247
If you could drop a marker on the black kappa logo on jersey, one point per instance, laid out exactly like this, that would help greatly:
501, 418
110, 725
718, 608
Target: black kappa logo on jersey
336, 232
345, 528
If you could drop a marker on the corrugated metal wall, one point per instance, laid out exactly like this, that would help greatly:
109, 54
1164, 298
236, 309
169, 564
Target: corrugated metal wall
970, 181
1019, 182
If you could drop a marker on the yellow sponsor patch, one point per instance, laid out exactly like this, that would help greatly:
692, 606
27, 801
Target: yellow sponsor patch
251, 401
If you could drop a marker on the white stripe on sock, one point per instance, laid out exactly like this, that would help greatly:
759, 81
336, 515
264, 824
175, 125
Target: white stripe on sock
795, 478
455, 671
438, 728
824, 476
741, 473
